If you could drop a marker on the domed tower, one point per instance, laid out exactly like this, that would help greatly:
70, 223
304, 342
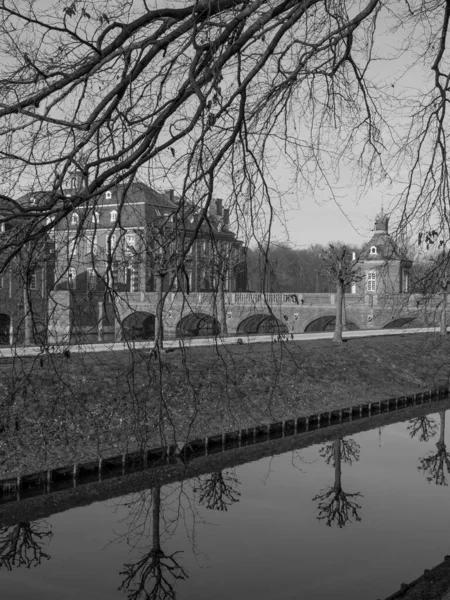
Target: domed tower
385, 268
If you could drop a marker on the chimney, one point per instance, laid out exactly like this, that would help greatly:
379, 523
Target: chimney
219, 207
169, 194
226, 217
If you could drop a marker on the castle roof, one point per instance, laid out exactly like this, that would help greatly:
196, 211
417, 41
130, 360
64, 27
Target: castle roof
381, 246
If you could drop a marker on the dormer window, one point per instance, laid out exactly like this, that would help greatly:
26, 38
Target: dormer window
108, 195
373, 250
49, 220
75, 219
33, 200
113, 216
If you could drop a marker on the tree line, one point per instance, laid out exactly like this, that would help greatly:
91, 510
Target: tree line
281, 268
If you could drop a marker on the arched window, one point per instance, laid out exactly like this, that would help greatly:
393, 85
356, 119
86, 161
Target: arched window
113, 216
75, 219
373, 250
371, 281
108, 195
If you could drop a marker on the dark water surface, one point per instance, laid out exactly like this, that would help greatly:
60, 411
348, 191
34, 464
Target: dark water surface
351, 518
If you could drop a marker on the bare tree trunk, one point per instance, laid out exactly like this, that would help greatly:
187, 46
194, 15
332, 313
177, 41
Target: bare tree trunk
337, 338
443, 327
344, 315
337, 464
159, 333
221, 306
441, 441
27, 320
156, 538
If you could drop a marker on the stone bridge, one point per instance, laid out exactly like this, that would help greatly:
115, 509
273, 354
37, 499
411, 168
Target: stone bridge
196, 314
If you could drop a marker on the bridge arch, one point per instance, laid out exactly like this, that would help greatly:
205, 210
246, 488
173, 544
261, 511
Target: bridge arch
139, 326
5, 322
263, 324
400, 322
327, 323
198, 325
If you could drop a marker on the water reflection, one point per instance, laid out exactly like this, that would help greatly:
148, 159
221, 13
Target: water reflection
247, 522
217, 491
154, 575
334, 505
424, 428
23, 544
436, 466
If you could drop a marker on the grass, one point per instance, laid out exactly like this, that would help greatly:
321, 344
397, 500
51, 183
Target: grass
91, 405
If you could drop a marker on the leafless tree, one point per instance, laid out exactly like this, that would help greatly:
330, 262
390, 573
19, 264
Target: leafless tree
423, 427
343, 269
335, 505
435, 466
153, 576
23, 544
201, 92
217, 491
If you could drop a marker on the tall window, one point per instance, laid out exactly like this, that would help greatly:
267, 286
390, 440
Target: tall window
371, 281
405, 284
130, 243
75, 219
32, 281
113, 216
91, 243
96, 217
72, 275
73, 248
133, 279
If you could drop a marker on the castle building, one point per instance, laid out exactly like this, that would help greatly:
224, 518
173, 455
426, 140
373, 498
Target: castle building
134, 233
385, 268
130, 239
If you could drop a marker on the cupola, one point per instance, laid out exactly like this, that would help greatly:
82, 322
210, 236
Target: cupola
381, 223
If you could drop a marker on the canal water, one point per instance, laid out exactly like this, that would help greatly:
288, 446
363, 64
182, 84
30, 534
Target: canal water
350, 518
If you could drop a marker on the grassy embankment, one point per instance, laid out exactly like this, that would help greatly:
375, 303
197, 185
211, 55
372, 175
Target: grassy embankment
85, 406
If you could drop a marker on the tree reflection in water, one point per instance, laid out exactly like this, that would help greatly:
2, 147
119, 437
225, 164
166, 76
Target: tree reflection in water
154, 575
217, 491
424, 428
335, 505
437, 466
23, 544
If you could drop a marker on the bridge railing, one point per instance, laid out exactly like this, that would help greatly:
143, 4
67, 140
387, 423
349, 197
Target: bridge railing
262, 298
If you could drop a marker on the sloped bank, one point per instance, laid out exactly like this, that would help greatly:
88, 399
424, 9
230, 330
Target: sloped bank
88, 407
